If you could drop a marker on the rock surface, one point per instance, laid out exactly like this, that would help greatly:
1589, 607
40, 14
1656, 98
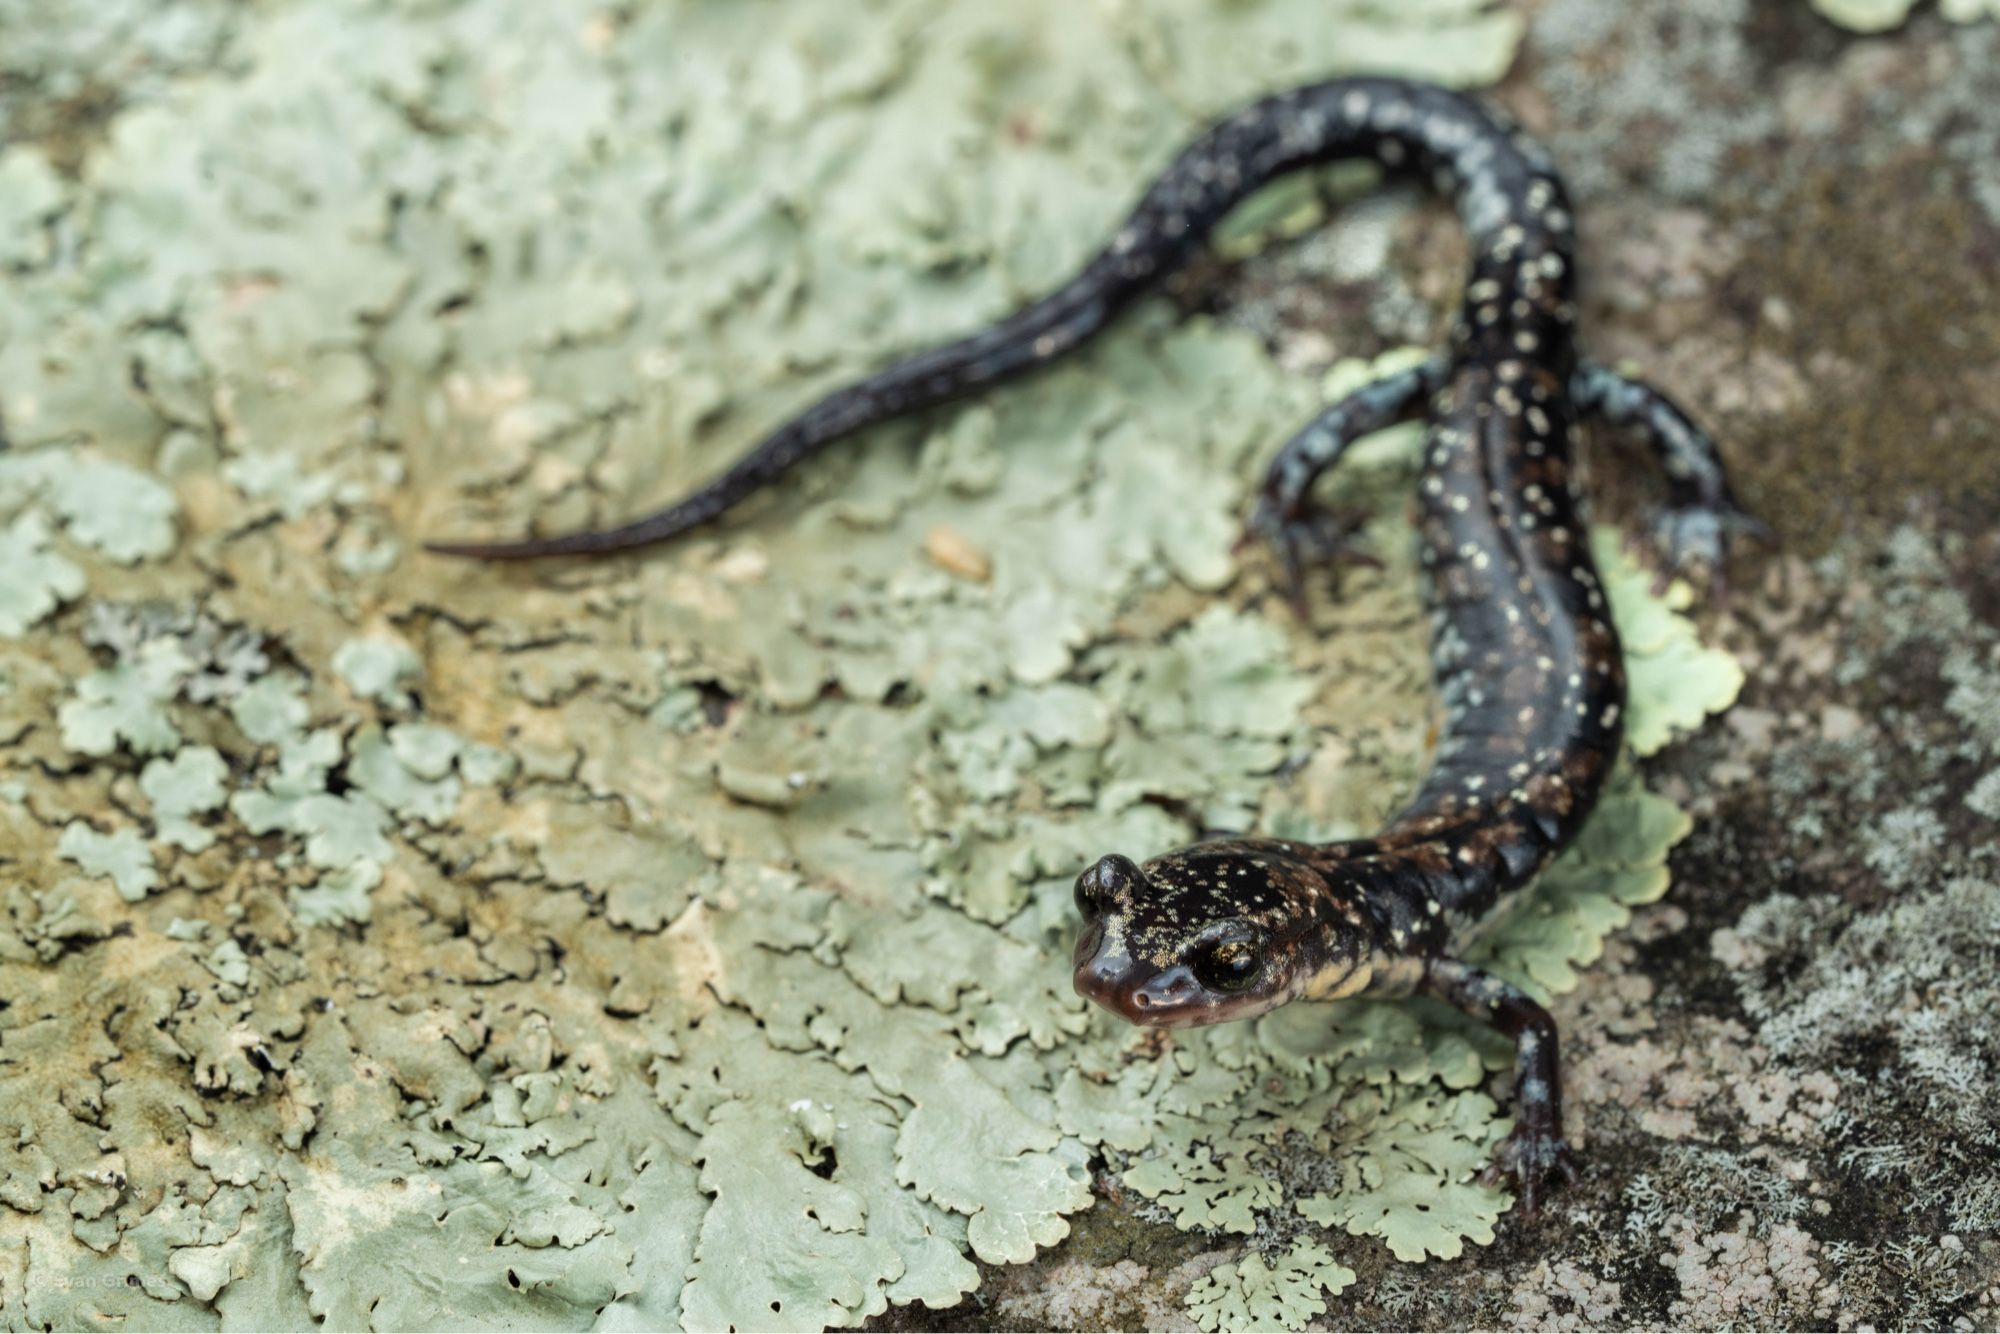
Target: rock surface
680, 940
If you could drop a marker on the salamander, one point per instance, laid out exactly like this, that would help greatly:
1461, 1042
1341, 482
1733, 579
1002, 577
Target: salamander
1525, 655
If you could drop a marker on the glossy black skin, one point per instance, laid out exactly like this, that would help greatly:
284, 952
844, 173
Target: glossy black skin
1525, 655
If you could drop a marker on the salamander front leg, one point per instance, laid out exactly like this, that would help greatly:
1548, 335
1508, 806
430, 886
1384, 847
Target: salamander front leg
1535, 1152
1701, 514
1301, 531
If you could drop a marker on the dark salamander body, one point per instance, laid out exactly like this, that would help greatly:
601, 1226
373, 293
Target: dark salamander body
1526, 658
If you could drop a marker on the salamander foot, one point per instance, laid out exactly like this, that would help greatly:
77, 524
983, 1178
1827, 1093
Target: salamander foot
1314, 535
1694, 539
1534, 1159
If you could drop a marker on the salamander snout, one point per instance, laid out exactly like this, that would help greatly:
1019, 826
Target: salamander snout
1105, 894
1136, 992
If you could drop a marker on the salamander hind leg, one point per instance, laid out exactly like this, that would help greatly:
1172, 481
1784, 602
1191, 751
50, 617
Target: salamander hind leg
1701, 515
1302, 532
1534, 1156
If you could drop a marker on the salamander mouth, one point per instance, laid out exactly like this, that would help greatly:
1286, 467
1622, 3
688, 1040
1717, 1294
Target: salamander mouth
1139, 1004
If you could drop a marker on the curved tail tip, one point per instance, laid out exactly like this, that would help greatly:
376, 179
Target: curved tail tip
494, 550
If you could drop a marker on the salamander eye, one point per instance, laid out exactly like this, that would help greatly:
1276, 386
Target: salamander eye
1101, 882
1087, 902
1230, 966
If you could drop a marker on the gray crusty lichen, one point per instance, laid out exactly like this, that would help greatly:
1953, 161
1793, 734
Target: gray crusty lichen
677, 940
1866, 1072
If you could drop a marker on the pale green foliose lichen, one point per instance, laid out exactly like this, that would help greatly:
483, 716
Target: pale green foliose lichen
541, 943
377, 667
1252, 1294
39, 580
191, 783
127, 704
1882, 15
121, 856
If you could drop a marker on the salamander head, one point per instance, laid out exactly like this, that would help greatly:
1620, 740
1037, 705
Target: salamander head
1224, 930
